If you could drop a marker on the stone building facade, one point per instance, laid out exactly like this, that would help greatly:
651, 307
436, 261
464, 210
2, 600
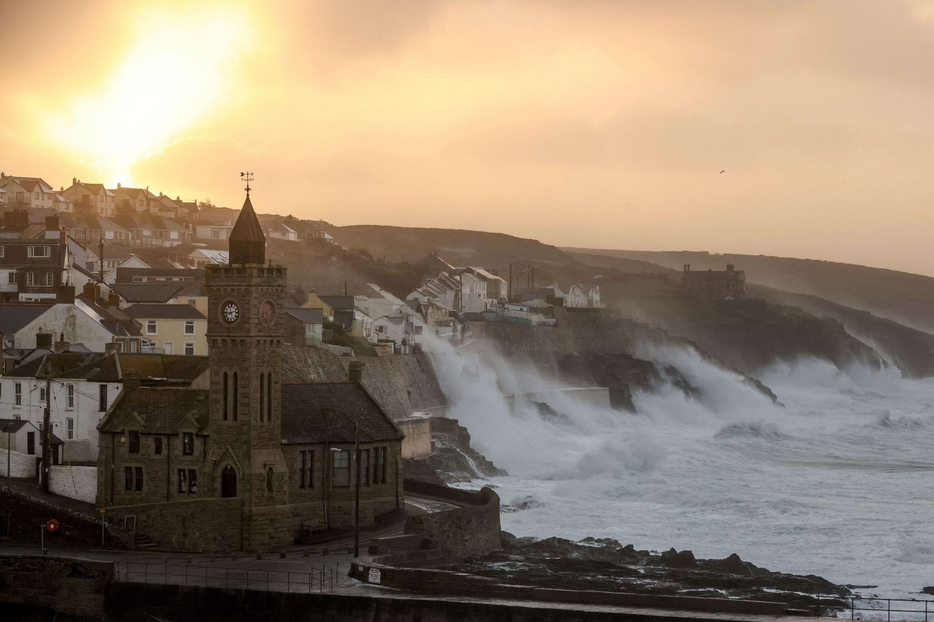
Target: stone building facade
729, 284
280, 455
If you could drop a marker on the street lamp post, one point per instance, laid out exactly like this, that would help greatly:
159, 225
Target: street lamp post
356, 493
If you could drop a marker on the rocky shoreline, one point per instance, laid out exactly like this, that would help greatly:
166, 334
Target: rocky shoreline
607, 565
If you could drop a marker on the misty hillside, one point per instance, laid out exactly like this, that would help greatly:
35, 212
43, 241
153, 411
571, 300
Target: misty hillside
900, 296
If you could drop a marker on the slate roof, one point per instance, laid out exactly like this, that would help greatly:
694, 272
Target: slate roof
247, 227
12, 425
344, 303
15, 316
308, 316
314, 413
147, 292
163, 411
60, 363
164, 367
165, 312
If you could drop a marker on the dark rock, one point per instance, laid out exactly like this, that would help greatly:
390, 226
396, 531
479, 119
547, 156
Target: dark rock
548, 413
928, 589
733, 565
674, 559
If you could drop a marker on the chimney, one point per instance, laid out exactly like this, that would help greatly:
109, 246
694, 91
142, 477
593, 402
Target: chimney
130, 380
119, 186
729, 267
65, 294
113, 300
355, 373
44, 340
74, 180
92, 291
51, 223
61, 345
110, 348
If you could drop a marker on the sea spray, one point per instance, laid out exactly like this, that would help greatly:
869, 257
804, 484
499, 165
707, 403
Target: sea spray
837, 483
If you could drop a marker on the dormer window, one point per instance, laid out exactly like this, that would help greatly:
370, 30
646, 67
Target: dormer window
40, 251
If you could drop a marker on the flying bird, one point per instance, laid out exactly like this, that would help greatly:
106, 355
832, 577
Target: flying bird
723, 171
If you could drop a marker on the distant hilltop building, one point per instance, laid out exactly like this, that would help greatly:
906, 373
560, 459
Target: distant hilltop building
729, 284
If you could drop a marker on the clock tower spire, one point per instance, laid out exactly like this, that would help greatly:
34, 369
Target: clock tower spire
245, 335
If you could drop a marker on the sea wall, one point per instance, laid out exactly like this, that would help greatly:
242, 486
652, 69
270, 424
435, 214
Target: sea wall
471, 529
74, 482
417, 441
402, 384
21, 465
201, 525
66, 586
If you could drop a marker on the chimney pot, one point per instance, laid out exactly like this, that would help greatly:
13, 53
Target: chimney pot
355, 372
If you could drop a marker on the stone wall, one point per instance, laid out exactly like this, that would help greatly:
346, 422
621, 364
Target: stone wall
417, 441
21, 465
472, 529
202, 525
66, 586
401, 384
74, 482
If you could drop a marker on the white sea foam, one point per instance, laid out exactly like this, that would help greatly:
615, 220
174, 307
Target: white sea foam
837, 483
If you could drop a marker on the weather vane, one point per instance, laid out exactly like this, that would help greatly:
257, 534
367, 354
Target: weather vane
247, 177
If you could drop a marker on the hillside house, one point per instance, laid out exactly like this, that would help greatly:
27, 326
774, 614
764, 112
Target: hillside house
171, 328
32, 192
89, 198
729, 284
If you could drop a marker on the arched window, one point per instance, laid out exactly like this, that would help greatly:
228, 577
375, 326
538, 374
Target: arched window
228, 482
236, 397
269, 396
262, 395
224, 399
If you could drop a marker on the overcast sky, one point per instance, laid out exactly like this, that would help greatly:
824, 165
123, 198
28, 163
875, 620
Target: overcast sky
598, 124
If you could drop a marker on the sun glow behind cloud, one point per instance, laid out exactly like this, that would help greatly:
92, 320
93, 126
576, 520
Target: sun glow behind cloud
178, 71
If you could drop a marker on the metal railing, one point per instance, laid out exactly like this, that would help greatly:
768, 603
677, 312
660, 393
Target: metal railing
323, 579
873, 608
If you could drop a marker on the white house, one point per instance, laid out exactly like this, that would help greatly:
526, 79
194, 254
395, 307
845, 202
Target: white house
28, 191
282, 231
583, 296
201, 257
79, 322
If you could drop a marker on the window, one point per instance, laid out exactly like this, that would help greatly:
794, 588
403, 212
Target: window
168, 347
270, 480
128, 478
182, 482
365, 467
31, 443
70, 427
70, 397
379, 471
188, 443
139, 478
1, 250
49, 279
192, 302
11, 278
18, 394
341, 468
189, 348
262, 396
157, 445
39, 251
269, 396
150, 327
189, 327
306, 469
224, 396
43, 396
134, 441
102, 398
192, 481
236, 397
31, 279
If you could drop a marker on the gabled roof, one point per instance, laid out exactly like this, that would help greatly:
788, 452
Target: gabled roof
158, 291
58, 364
342, 303
326, 412
31, 183
15, 316
164, 312
162, 411
247, 243
307, 316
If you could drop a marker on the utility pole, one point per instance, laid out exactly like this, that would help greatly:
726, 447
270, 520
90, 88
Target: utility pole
47, 426
102, 259
509, 291
356, 500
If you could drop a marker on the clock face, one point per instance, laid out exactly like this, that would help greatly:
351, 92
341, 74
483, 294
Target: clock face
267, 312
231, 312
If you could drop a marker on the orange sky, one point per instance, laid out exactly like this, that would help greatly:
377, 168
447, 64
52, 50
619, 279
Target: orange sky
599, 123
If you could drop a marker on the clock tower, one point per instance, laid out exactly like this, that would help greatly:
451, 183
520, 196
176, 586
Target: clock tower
245, 302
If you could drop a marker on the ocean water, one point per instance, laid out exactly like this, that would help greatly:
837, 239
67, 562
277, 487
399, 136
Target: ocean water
838, 483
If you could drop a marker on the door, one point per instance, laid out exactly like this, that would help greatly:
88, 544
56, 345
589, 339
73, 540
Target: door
168, 347
228, 482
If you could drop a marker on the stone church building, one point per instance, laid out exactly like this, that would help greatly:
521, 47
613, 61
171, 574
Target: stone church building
247, 461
